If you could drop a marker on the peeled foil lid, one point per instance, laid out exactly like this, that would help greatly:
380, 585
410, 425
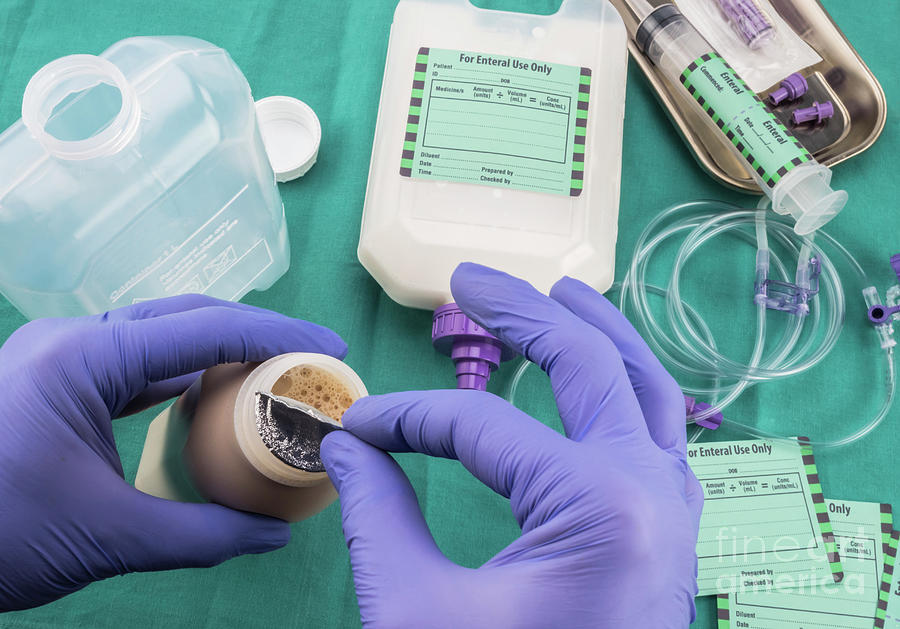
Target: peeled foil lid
291, 134
293, 431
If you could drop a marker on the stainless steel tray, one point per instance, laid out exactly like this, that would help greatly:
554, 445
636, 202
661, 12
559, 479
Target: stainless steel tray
841, 76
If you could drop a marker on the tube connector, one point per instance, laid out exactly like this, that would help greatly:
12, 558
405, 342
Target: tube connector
475, 351
693, 407
893, 297
787, 296
805, 193
880, 316
760, 286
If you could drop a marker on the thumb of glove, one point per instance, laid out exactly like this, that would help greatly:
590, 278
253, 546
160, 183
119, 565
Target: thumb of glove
163, 534
383, 525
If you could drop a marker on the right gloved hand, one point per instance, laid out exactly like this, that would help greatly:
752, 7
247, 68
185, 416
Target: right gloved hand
609, 514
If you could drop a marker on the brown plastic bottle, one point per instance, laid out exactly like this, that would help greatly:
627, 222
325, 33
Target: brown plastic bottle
224, 455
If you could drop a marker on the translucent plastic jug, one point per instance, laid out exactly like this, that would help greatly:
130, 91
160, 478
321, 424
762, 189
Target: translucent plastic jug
136, 174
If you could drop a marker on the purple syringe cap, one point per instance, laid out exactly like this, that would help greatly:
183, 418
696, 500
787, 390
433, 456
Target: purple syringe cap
475, 351
817, 113
792, 88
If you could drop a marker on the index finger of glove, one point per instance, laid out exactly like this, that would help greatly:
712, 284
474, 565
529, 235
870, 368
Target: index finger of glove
661, 400
590, 384
501, 446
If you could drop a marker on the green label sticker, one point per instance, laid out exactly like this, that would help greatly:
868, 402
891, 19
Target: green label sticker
765, 524
860, 530
498, 121
768, 147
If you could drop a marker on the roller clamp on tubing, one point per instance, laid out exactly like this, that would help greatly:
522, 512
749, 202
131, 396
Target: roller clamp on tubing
786, 296
880, 314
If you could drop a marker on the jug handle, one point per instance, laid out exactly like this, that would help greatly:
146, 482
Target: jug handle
575, 9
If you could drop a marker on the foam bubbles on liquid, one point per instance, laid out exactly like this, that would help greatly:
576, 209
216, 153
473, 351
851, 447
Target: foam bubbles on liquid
316, 387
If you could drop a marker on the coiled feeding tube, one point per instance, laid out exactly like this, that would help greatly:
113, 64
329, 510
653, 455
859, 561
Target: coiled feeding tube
813, 304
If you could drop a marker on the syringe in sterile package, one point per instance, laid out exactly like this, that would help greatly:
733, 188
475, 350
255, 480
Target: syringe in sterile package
785, 171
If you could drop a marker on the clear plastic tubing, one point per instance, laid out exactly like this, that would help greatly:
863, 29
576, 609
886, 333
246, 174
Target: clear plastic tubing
685, 343
785, 171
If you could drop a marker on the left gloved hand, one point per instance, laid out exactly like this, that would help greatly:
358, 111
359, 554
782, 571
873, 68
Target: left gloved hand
609, 513
67, 517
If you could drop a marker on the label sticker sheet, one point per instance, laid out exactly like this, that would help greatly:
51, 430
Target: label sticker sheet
862, 532
765, 523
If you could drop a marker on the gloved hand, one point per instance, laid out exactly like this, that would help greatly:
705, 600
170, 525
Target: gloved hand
609, 513
67, 517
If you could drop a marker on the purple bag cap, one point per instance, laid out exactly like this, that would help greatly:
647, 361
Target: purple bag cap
475, 351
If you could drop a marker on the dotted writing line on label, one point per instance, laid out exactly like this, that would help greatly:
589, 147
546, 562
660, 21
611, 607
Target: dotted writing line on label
488, 126
455, 111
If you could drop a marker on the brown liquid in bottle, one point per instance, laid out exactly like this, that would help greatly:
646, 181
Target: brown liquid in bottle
218, 466
316, 387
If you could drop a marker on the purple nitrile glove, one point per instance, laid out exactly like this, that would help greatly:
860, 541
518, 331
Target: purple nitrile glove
609, 513
67, 517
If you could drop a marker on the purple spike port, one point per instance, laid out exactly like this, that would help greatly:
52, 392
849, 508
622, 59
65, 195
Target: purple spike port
792, 88
475, 351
